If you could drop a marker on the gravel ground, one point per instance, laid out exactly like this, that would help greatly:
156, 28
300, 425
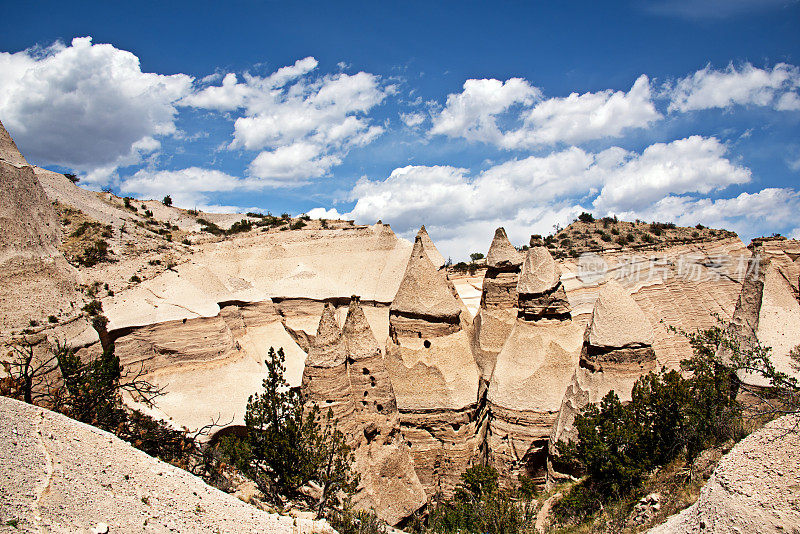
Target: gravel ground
59, 475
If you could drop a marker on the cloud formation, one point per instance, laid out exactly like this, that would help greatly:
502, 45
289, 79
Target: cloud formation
192, 187
529, 195
474, 113
87, 106
747, 85
301, 125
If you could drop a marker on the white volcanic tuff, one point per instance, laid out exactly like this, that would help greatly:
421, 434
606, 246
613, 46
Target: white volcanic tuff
35, 279
211, 365
540, 272
423, 291
9, 153
345, 372
768, 308
753, 488
535, 365
676, 286
617, 321
314, 264
430, 249
433, 374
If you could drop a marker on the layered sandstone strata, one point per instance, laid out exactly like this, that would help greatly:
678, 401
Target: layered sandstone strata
433, 374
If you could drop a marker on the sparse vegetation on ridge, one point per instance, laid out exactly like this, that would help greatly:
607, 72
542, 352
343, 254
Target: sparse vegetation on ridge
588, 234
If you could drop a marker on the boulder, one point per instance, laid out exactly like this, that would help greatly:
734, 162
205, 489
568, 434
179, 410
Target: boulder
539, 289
424, 303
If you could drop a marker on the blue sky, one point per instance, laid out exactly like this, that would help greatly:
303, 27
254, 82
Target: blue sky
459, 115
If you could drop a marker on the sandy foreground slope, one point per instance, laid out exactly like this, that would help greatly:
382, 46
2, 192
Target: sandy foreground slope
59, 475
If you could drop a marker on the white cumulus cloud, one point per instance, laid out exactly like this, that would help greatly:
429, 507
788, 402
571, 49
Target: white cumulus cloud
747, 85
474, 114
692, 165
192, 187
301, 125
532, 194
86, 106
578, 118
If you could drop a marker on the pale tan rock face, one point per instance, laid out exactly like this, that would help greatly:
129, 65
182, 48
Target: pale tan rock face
501, 252
35, 279
617, 321
540, 272
499, 301
370, 384
325, 376
433, 374
422, 292
679, 285
753, 488
767, 311
430, 249
359, 392
491, 329
210, 365
525, 394
9, 153
60, 475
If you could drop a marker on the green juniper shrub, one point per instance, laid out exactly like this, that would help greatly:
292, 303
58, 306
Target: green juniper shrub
586, 217
210, 227
478, 506
167, 201
240, 226
291, 443
668, 415
94, 253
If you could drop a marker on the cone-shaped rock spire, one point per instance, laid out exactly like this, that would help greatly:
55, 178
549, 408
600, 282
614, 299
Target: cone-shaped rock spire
9, 152
501, 252
328, 349
617, 321
430, 249
357, 333
423, 291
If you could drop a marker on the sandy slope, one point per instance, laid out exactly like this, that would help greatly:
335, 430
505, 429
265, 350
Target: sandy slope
59, 475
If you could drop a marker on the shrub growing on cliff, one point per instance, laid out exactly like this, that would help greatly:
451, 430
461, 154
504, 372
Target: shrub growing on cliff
290, 444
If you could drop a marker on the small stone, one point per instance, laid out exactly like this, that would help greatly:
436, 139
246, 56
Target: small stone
100, 528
